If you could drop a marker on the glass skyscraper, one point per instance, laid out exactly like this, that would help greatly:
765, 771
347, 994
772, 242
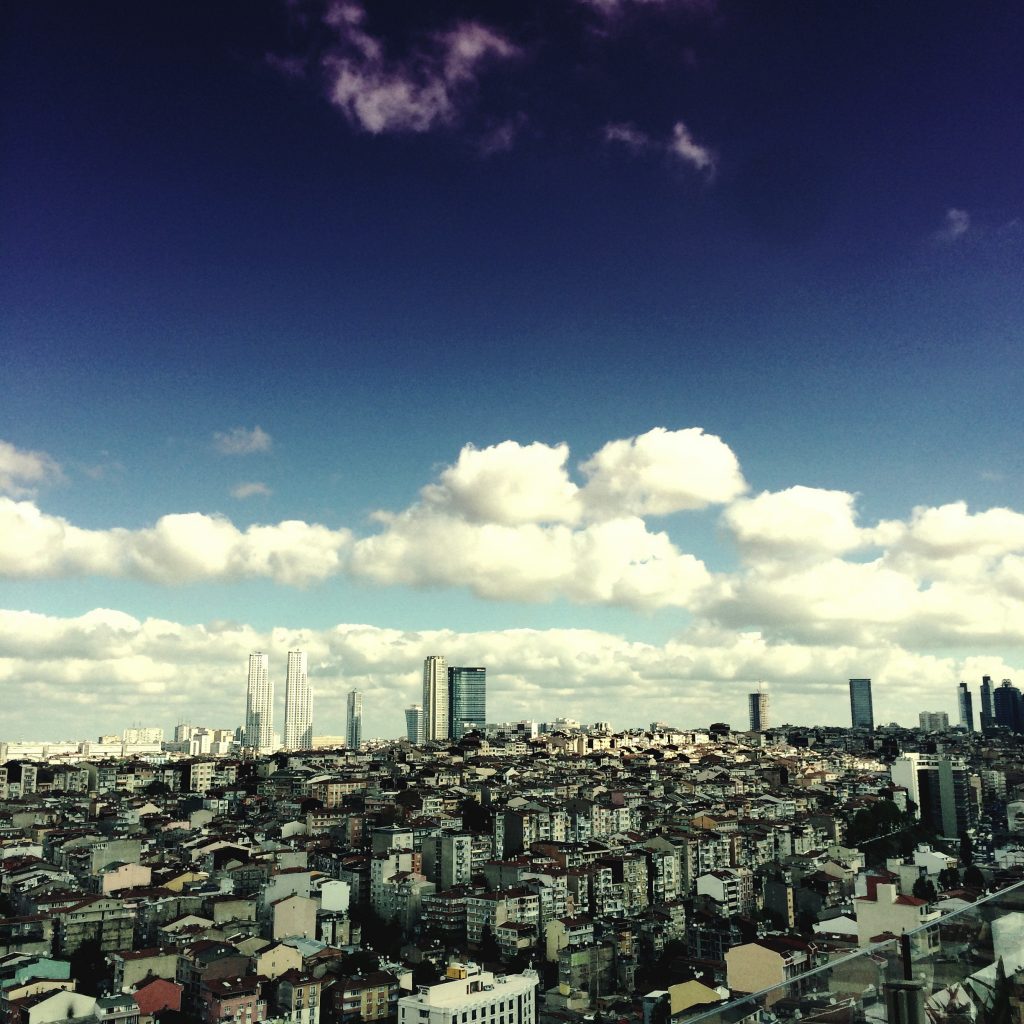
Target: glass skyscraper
467, 699
436, 716
966, 707
862, 713
354, 726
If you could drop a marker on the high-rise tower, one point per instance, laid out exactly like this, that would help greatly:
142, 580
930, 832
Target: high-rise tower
862, 712
259, 704
354, 721
757, 706
435, 698
966, 707
467, 700
414, 723
298, 704
988, 705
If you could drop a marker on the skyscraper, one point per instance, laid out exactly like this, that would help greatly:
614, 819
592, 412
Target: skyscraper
757, 706
862, 713
966, 706
467, 700
435, 699
1007, 709
987, 703
414, 723
354, 721
259, 704
298, 704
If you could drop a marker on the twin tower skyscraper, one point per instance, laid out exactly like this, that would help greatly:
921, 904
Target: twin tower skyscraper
454, 701
259, 704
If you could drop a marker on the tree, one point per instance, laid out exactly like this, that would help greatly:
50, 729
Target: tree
949, 878
489, 950
924, 889
966, 850
973, 877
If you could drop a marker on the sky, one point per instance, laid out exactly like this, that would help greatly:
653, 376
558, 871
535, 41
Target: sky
639, 350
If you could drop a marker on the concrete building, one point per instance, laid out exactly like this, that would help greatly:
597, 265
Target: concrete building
480, 996
415, 729
354, 720
884, 910
298, 704
435, 699
259, 704
757, 709
933, 721
448, 859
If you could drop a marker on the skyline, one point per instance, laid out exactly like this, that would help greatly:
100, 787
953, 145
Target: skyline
638, 351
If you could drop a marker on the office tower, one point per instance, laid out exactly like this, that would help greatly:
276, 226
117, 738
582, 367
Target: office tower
940, 788
757, 705
435, 699
933, 721
862, 713
966, 706
259, 704
467, 700
354, 723
414, 723
298, 704
1006, 707
987, 703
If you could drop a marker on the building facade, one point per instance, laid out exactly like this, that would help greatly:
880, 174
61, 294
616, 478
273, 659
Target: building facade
435, 699
965, 705
354, 721
467, 700
757, 705
414, 725
298, 704
862, 712
259, 704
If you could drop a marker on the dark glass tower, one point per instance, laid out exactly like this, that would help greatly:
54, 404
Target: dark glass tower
467, 699
987, 703
862, 712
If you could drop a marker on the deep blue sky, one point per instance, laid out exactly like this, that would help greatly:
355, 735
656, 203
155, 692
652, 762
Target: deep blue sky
193, 240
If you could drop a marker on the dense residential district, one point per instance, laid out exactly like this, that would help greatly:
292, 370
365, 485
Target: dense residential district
480, 873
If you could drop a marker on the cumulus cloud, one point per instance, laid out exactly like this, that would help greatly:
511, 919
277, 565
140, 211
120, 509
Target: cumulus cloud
680, 145
661, 472
177, 549
242, 441
417, 93
251, 489
105, 670
23, 472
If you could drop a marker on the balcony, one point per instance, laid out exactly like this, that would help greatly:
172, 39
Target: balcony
966, 966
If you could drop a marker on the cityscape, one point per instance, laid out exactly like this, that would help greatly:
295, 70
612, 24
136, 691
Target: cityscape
511, 512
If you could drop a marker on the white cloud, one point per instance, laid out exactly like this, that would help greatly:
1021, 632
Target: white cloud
800, 522
680, 145
418, 93
250, 489
661, 472
178, 549
105, 670
627, 134
684, 147
22, 472
242, 441
508, 483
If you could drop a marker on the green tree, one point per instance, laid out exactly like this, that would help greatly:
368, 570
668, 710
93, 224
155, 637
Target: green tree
949, 878
489, 950
973, 877
924, 889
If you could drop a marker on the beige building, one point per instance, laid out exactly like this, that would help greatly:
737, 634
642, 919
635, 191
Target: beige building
883, 911
293, 915
765, 963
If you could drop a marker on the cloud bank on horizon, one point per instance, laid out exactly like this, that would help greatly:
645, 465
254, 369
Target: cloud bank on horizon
815, 595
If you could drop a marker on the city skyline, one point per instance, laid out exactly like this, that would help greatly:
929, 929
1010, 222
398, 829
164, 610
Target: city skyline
639, 351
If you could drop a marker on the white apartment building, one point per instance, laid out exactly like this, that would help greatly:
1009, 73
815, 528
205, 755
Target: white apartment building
472, 996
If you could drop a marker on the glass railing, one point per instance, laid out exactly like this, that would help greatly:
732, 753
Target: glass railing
959, 969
